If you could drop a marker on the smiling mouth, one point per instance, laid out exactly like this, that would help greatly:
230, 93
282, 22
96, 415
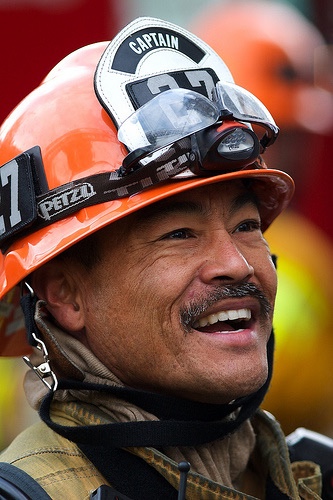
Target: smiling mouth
224, 321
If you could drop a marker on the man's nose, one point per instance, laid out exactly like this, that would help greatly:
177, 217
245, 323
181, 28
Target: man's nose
224, 261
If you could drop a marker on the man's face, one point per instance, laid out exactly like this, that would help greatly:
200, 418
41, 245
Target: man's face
181, 300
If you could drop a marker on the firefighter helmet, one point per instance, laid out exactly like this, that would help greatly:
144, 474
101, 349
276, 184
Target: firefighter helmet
115, 127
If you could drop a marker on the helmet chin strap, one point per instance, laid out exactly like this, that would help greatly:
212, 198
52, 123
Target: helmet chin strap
182, 422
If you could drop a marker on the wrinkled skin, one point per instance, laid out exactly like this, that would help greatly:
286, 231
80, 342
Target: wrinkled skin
161, 271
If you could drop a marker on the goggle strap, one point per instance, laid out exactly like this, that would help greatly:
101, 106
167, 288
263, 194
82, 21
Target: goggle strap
63, 201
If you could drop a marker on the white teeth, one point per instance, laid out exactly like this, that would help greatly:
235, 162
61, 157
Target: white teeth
203, 322
233, 314
223, 316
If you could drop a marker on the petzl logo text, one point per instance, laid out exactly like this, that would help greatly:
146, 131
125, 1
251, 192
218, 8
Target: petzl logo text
56, 204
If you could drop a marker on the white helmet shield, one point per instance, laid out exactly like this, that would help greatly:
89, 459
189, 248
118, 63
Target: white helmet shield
136, 66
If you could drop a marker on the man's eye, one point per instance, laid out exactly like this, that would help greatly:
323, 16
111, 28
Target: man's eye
249, 225
178, 234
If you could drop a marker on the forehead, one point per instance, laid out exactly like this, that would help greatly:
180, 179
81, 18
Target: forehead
224, 196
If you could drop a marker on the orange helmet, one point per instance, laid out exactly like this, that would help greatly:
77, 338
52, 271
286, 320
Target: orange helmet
276, 53
68, 171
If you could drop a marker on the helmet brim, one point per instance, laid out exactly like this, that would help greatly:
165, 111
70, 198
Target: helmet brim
273, 189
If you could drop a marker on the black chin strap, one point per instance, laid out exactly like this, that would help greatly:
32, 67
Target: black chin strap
181, 422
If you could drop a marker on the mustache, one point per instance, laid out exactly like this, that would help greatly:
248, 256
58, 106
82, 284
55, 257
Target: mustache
190, 313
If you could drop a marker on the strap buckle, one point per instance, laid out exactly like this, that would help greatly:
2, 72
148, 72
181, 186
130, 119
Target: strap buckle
43, 371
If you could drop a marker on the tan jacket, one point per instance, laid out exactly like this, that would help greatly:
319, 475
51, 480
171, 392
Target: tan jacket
64, 472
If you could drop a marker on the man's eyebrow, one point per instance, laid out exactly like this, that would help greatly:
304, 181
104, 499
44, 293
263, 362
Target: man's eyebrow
166, 208
161, 210
247, 198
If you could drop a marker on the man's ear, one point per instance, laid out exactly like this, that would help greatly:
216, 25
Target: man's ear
57, 286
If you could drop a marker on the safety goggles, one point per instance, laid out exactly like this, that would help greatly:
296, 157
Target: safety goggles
178, 113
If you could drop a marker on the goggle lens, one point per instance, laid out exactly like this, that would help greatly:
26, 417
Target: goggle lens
178, 113
167, 118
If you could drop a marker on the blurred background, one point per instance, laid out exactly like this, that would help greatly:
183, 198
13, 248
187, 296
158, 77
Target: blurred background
282, 52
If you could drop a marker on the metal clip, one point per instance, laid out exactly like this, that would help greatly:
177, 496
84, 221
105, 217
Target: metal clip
30, 289
43, 371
